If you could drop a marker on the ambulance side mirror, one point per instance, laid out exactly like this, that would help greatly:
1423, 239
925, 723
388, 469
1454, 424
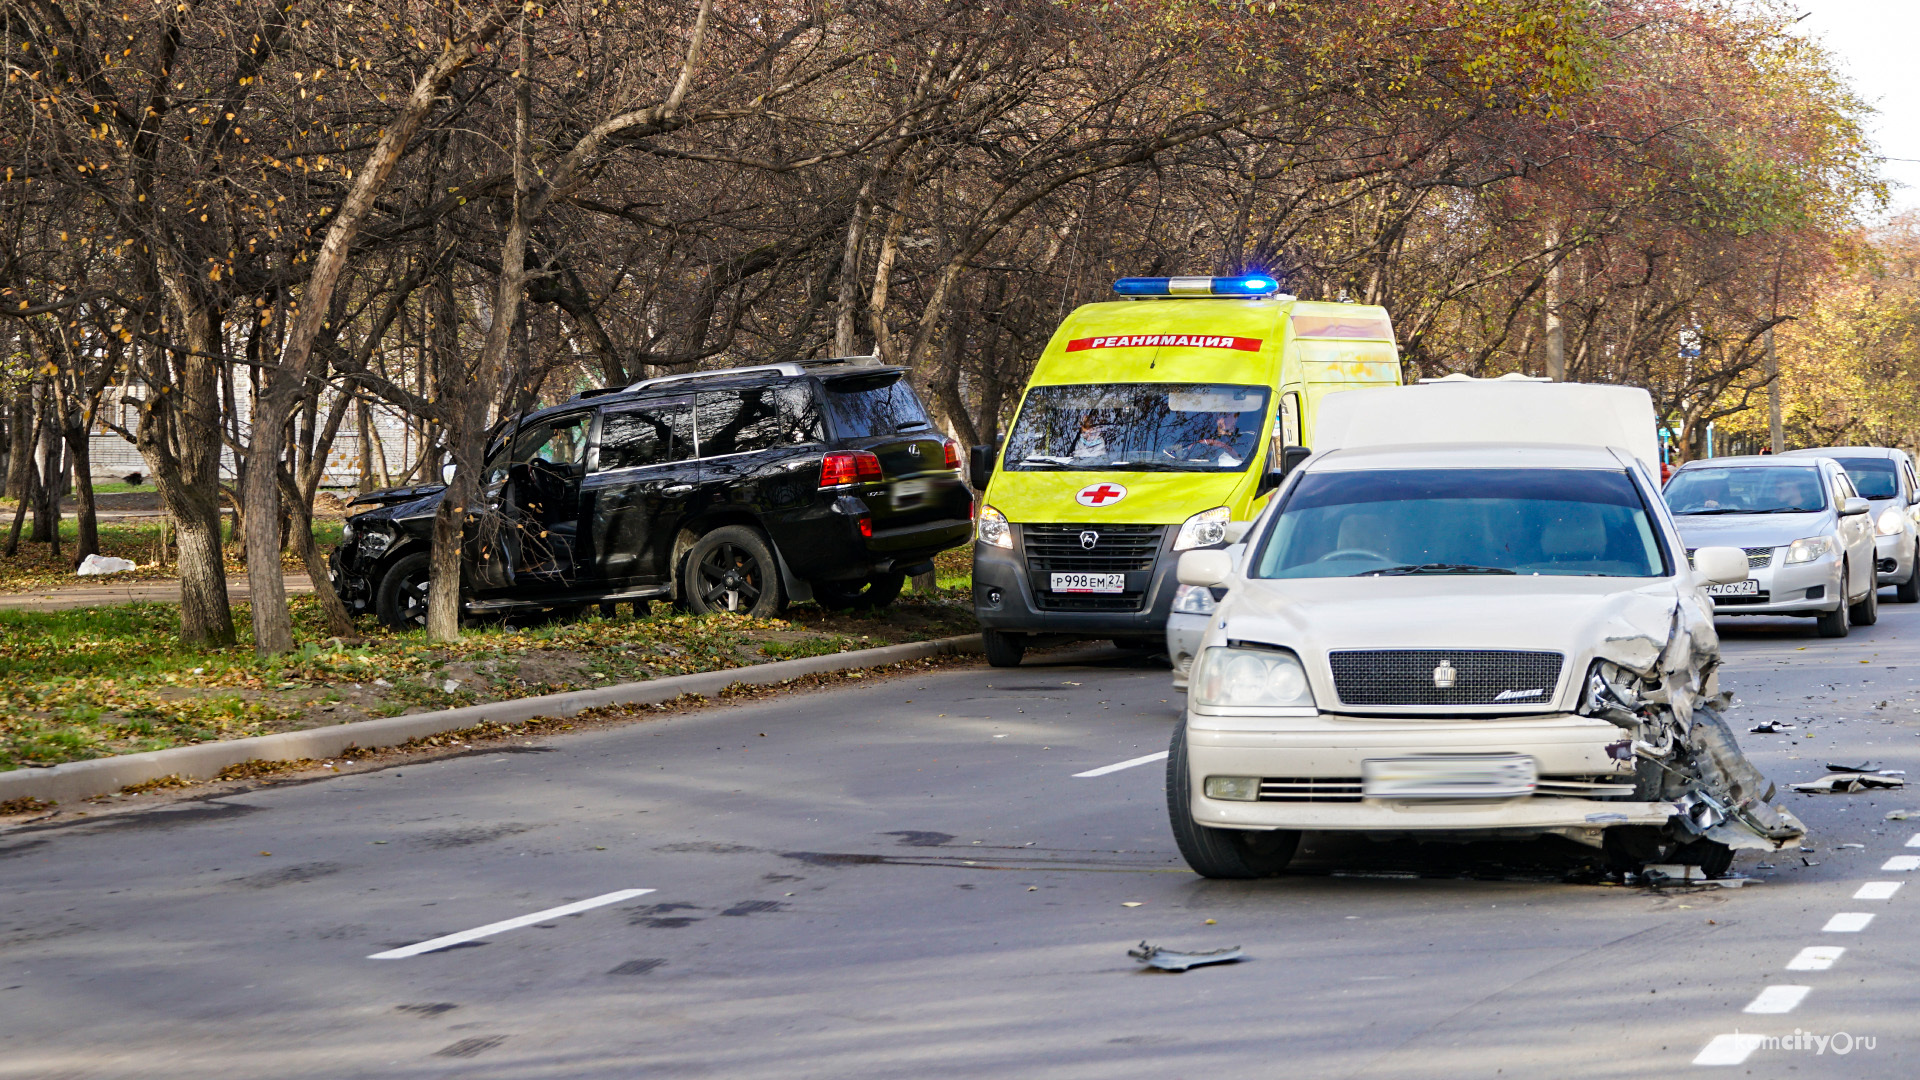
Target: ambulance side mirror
979, 466
1290, 459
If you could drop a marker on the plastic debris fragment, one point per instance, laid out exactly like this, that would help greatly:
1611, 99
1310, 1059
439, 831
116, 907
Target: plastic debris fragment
1772, 727
1167, 960
1842, 783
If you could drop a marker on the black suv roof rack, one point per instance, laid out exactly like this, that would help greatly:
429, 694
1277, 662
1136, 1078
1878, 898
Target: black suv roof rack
790, 367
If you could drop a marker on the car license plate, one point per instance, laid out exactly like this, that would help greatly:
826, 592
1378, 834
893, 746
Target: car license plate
1090, 583
1447, 776
1749, 587
911, 493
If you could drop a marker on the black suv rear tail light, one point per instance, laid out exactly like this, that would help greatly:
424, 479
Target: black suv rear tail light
953, 454
848, 467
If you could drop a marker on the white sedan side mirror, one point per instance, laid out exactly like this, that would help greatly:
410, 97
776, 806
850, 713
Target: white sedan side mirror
1206, 568
1855, 505
1720, 565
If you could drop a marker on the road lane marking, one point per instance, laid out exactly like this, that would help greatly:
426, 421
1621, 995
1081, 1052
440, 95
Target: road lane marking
508, 924
1914, 840
1778, 999
1848, 922
1815, 958
1117, 766
1877, 890
1902, 862
1729, 1049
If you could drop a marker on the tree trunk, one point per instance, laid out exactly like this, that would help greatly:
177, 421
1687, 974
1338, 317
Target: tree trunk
272, 411
19, 442
469, 427
48, 457
179, 436
363, 420
86, 521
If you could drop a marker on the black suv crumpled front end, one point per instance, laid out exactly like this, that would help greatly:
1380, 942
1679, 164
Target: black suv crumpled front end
371, 541
1009, 583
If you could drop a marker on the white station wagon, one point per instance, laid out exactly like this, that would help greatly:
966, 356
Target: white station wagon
1468, 612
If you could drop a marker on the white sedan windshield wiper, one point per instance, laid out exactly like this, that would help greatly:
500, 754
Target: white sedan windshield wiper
1432, 568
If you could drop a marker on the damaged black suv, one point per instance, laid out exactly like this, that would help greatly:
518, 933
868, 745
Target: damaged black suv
736, 490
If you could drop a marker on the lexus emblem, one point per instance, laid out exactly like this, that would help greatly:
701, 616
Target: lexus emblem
1443, 676
1089, 539
914, 449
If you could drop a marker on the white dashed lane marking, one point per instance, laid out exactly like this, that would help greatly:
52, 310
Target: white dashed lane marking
509, 924
1117, 766
1778, 999
1729, 1049
1902, 862
1815, 958
1914, 840
1848, 922
1877, 890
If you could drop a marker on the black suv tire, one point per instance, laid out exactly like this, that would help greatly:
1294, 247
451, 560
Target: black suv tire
1238, 854
400, 600
733, 569
874, 592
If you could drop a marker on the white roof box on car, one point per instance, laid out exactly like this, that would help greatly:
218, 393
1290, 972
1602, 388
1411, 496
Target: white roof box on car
1461, 409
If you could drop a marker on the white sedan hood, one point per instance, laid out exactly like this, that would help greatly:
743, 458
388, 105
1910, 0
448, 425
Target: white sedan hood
1628, 621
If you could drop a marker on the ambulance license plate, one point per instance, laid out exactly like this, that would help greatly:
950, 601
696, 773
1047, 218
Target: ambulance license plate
1090, 583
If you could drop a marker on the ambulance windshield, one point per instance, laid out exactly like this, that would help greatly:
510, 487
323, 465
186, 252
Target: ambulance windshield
1138, 427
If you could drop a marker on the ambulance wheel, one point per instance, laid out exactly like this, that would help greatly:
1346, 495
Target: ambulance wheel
1002, 648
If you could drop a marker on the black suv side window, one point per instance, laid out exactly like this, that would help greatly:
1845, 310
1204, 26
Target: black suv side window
737, 421
559, 440
800, 416
647, 435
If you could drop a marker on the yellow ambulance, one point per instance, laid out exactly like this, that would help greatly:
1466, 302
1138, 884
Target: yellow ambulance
1149, 425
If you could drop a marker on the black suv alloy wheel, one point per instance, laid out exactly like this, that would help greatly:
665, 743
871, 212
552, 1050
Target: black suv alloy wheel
733, 569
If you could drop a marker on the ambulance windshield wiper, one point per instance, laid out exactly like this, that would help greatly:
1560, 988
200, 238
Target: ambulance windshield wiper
1043, 459
1433, 568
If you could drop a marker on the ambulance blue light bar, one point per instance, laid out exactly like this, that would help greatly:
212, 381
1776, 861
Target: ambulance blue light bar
1245, 285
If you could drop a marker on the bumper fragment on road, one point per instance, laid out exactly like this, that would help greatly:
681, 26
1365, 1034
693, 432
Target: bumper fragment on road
449, 940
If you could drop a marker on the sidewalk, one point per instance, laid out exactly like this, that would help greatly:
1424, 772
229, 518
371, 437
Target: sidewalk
93, 592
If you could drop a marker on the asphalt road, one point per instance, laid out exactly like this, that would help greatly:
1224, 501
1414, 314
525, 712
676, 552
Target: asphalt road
907, 879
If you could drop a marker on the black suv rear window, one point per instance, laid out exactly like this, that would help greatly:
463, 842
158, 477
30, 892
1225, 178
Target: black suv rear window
875, 405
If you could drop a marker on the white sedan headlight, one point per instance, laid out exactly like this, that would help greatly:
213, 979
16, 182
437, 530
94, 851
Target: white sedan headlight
994, 530
1809, 549
1890, 522
1193, 600
1231, 677
1204, 529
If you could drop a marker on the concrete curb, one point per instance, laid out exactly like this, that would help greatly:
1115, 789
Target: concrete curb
102, 776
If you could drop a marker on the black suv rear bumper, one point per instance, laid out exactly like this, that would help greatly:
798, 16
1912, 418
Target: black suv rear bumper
1011, 587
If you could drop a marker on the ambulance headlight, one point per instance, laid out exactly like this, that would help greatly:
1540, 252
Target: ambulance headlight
1204, 529
993, 529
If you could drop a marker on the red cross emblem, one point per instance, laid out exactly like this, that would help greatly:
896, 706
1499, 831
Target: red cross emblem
1100, 494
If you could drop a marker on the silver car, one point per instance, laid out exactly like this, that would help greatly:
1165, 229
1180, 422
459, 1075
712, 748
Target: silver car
1885, 477
1807, 533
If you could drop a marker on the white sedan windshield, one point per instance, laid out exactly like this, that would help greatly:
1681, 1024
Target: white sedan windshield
1583, 522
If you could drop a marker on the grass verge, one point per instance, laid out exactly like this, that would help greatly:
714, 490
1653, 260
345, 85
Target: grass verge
93, 682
